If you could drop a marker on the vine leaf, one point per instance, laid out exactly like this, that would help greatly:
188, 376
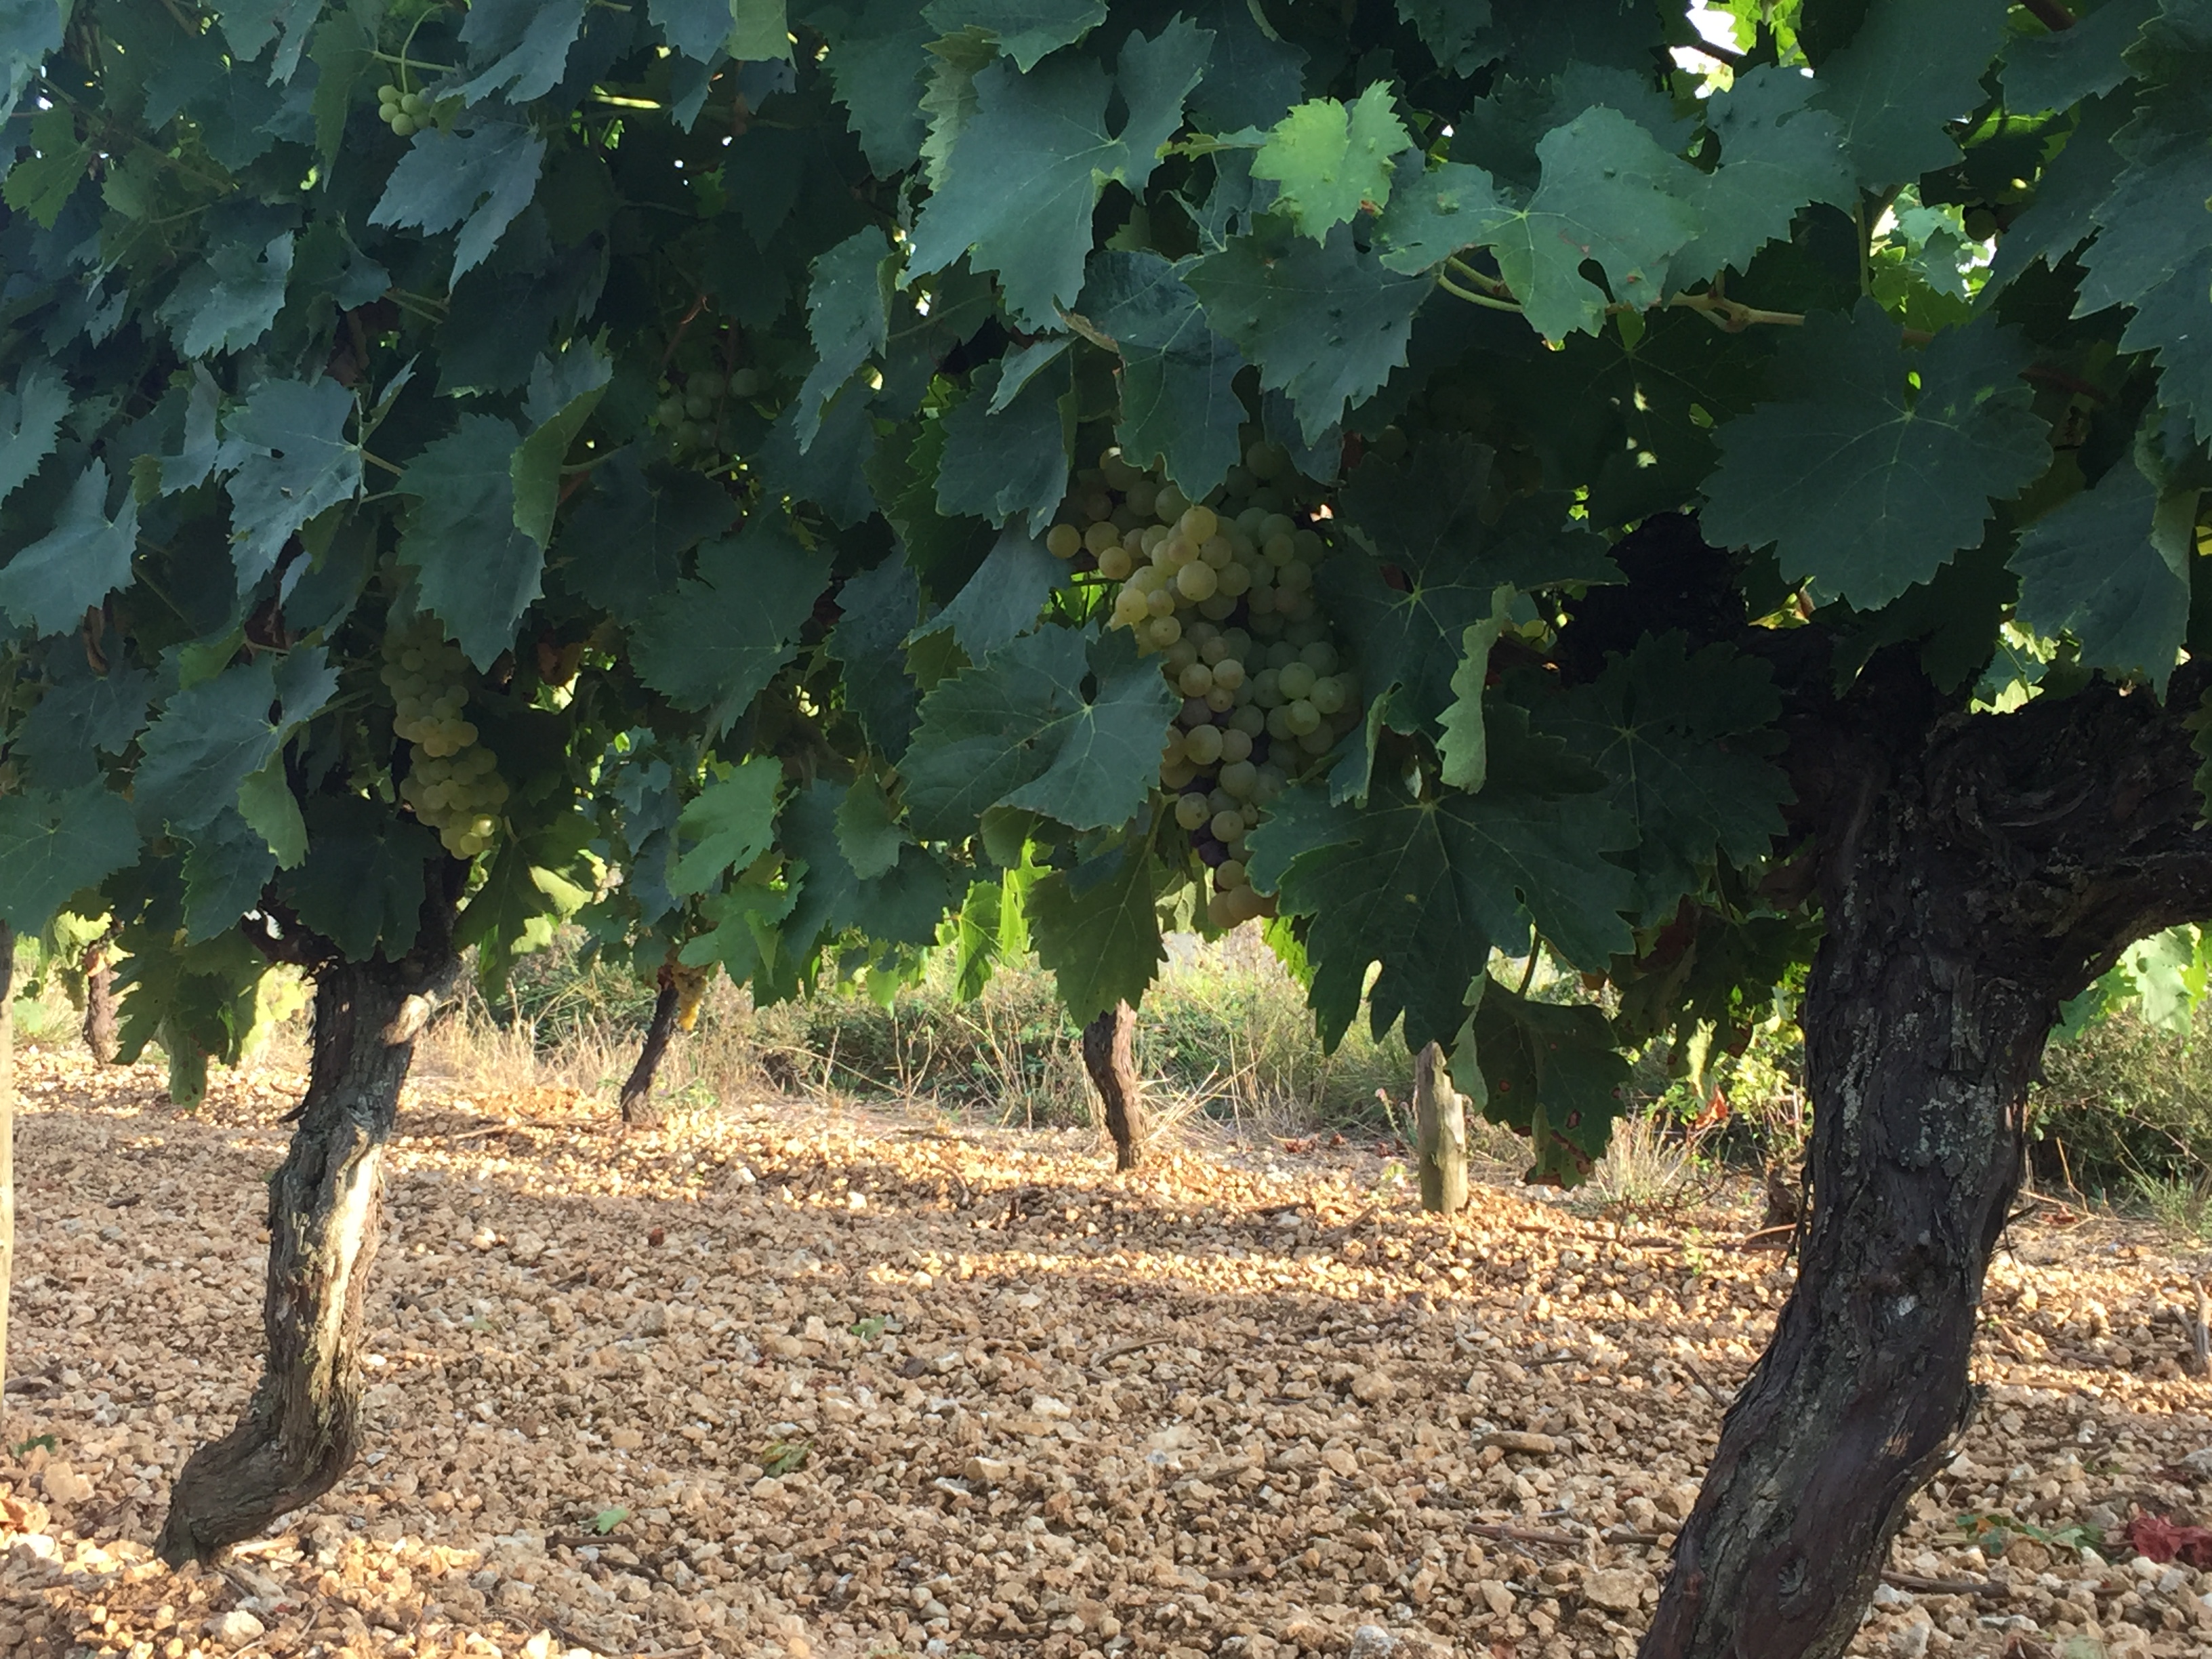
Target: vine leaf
1026, 30
877, 65
536, 882
1427, 886
1026, 170
266, 803
54, 845
81, 716
848, 317
877, 611
1454, 31
1001, 601
2111, 567
1908, 71
1179, 404
1678, 735
288, 459
1777, 155
1434, 214
1863, 485
902, 903
2169, 320
523, 42
624, 541
1019, 729
478, 180
1097, 929
1324, 324
1461, 745
31, 411
1012, 462
867, 832
1608, 193
225, 873
1441, 548
212, 736
730, 823
714, 641
1328, 162
360, 885
29, 34
48, 586
477, 571
230, 300
1552, 1073
250, 27
563, 393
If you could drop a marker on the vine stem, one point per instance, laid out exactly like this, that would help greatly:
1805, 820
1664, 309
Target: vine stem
1732, 315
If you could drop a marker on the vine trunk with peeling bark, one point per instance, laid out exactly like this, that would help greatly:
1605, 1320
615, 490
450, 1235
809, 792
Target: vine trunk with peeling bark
301, 1430
1975, 873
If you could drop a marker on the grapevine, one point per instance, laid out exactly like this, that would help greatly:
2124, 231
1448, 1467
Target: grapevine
454, 785
1222, 590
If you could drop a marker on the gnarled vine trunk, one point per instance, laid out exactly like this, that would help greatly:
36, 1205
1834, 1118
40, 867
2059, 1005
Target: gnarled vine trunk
1440, 1127
7, 1149
1109, 1056
100, 1032
302, 1429
637, 1107
1973, 875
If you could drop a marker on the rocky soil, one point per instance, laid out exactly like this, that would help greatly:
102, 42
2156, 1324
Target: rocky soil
780, 1381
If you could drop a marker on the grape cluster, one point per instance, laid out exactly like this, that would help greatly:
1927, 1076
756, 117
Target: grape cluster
1222, 592
405, 113
453, 784
690, 409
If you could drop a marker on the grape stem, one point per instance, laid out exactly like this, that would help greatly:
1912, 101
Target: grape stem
1732, 316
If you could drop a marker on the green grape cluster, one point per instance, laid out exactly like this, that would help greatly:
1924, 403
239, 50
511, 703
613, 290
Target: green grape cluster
453, 785
405, 113
1222, 592
690, 408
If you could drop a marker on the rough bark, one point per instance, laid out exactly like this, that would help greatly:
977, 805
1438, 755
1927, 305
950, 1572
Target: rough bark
302, 1429
1109, 1056
1440, 1129
99, 1034
637, 1107
7, 1149
1974, 872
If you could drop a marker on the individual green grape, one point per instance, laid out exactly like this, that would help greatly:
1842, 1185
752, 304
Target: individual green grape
1197, 581
1191, 811
404, 126
1203, 745
744, 382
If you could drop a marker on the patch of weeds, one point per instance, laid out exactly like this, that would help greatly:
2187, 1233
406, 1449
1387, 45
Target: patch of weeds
1993, 1529
37, 1442
608, 1519
780, 1457
872, 1327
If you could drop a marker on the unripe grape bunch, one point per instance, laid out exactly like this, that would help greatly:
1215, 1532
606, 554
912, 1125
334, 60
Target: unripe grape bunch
453, 783
691, 406
405, 113
1221, 591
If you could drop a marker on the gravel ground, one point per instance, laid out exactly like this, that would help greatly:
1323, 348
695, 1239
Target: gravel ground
783, 1381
